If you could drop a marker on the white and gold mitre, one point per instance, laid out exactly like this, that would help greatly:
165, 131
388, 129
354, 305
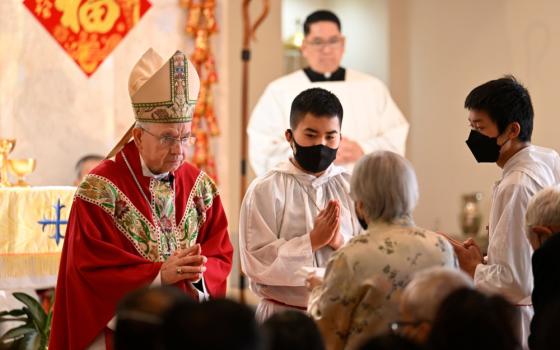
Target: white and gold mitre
163, 92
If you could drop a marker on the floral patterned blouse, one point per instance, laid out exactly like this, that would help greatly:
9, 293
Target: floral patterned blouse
364, 280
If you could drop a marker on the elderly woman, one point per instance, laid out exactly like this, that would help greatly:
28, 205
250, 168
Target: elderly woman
360, 295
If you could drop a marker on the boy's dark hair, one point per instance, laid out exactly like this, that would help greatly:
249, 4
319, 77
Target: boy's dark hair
317, 101
320, 16
505, 101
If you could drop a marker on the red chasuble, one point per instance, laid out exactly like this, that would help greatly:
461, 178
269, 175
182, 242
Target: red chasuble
114, 244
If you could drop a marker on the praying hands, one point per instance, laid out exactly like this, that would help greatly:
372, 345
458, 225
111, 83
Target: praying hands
185, 264
468, 253
326, 229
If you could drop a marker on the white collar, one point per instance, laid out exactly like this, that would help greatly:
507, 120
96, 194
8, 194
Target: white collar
517, 159
287, 167
148, 173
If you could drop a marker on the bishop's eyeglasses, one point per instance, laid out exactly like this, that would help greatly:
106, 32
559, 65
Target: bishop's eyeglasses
169, 141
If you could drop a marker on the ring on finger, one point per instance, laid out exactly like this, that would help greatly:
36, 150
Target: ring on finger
179, 270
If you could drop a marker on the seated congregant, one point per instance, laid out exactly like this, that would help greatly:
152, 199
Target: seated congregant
468, 319
390, 342
140, 317
543, 224
218, 324
422, 297
291, 330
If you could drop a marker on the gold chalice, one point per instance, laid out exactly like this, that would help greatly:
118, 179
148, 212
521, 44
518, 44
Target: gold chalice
6, 146
20, 168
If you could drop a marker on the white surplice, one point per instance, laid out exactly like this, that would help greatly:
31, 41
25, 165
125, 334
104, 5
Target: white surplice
277, 215
508, 271
370, 117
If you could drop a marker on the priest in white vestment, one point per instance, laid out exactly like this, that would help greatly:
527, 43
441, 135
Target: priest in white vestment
373, 120
300, 212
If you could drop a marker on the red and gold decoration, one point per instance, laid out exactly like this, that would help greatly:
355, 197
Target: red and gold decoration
88, 30
201, 25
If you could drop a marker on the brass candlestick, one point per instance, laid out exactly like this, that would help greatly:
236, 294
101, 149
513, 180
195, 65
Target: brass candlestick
6, 146
470, 216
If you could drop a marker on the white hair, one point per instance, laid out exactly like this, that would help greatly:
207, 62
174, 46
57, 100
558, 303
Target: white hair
141, 125
544, 208
429, 287
386, 184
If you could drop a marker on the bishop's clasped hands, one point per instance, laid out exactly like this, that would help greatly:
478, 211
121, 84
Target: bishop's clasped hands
185, 264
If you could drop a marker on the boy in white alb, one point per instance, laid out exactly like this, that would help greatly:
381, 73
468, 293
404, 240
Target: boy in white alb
300, 212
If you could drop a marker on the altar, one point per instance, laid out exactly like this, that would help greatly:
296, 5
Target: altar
32, 228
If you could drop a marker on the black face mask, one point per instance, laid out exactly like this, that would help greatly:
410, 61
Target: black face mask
485, 149
314, 159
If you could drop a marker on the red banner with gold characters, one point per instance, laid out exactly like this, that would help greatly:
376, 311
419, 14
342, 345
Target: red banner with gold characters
88, 30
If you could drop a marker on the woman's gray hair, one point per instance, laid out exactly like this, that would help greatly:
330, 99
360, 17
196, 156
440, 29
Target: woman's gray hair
544, 208
386, 184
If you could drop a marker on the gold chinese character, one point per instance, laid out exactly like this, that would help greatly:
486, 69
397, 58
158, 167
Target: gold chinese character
99, 16
69, 9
